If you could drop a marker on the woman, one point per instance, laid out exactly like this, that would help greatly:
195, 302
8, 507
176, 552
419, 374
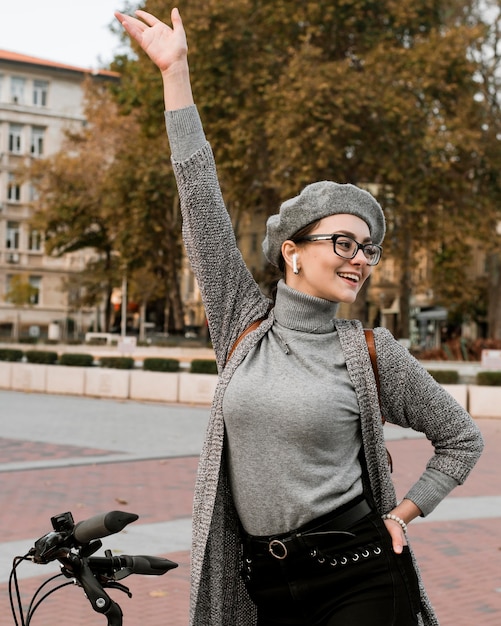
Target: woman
295, 517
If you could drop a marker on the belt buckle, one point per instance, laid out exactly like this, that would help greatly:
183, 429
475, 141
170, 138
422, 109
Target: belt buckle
276, 544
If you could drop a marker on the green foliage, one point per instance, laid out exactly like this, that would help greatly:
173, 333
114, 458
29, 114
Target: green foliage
154, 364
292, 92
397, 94
76, 359
20, 292
445, 377
203, 366
41, 356
117, 362
492, 379
7, 354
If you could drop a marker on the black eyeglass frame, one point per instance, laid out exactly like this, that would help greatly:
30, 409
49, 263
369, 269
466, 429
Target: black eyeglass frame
360, 246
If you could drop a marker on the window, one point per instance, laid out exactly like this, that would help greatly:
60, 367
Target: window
32, 193
12, 236
35, 240
17, 89
35, 284
13, 189
40, 89
15, 135
37, 135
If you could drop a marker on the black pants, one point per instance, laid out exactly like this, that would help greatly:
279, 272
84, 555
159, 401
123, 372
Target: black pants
349, 579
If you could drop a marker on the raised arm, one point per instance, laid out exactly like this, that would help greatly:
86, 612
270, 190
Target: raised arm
167, 48
231, 296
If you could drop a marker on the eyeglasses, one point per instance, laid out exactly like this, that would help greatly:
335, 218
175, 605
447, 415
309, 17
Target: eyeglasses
347, 247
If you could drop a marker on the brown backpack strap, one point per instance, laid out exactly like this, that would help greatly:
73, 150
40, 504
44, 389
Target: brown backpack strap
371, 345
248, 330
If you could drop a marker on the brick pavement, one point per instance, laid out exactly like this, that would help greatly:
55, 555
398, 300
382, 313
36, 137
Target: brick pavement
460, 559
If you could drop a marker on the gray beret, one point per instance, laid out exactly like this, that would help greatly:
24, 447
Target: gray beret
316, 201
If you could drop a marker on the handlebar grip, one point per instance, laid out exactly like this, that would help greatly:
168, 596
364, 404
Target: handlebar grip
148, 565
102, 525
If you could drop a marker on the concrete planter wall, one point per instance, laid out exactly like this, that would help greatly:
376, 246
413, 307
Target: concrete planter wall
66, 380
196, 388
102, 382
154, 386
183, 387
5, 375
29, 377
484, 401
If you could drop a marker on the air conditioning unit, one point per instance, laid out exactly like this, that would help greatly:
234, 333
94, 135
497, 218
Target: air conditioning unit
13, 257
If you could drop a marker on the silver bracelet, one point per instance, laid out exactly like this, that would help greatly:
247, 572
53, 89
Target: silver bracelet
397, 519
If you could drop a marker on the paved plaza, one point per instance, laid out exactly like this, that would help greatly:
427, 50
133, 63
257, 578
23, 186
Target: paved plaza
89, 456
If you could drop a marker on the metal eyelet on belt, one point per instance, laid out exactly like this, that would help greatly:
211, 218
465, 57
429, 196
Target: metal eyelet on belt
282, 550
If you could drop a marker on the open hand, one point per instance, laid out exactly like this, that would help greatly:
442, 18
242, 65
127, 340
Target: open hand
166, 46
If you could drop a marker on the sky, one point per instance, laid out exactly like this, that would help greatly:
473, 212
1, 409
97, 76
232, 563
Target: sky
68, 31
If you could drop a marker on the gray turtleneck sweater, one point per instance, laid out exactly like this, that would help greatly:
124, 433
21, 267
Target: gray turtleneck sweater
292, 421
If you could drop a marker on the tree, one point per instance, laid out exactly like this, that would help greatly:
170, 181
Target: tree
487, 52
21, 293
352, 91
76, 206
96, 194
394, 106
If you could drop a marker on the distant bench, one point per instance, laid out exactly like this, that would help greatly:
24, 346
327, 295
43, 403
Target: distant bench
101, 338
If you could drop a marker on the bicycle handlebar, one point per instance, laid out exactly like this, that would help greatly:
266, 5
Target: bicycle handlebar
73, 544
67, 534
139, 564
102, 525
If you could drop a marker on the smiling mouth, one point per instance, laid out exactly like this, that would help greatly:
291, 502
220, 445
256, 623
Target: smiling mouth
354, 278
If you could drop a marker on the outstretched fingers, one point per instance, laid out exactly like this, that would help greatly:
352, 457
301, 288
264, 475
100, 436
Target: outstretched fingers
150, 19
134, 27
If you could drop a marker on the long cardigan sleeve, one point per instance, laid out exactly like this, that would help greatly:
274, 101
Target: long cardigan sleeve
231, 296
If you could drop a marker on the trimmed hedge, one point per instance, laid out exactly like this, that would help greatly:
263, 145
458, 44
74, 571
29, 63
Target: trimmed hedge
10, 354
203, 366
41, 356
117, 362
76, 359
492, 379
157, 364
445, 377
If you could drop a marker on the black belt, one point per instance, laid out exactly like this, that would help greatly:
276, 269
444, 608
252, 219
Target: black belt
282, 546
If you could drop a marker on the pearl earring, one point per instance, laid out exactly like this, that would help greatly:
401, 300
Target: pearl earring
295, 268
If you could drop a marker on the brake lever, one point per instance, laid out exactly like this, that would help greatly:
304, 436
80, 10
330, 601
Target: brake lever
78, 568
113, 584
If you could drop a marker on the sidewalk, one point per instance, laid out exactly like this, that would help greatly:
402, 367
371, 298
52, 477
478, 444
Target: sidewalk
89, 456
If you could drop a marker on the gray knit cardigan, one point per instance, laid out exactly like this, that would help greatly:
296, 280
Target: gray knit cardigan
233, 300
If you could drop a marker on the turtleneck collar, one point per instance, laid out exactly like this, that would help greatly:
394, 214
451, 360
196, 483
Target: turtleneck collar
299, 311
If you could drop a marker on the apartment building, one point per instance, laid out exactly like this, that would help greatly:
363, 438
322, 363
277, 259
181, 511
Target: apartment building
39, 100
